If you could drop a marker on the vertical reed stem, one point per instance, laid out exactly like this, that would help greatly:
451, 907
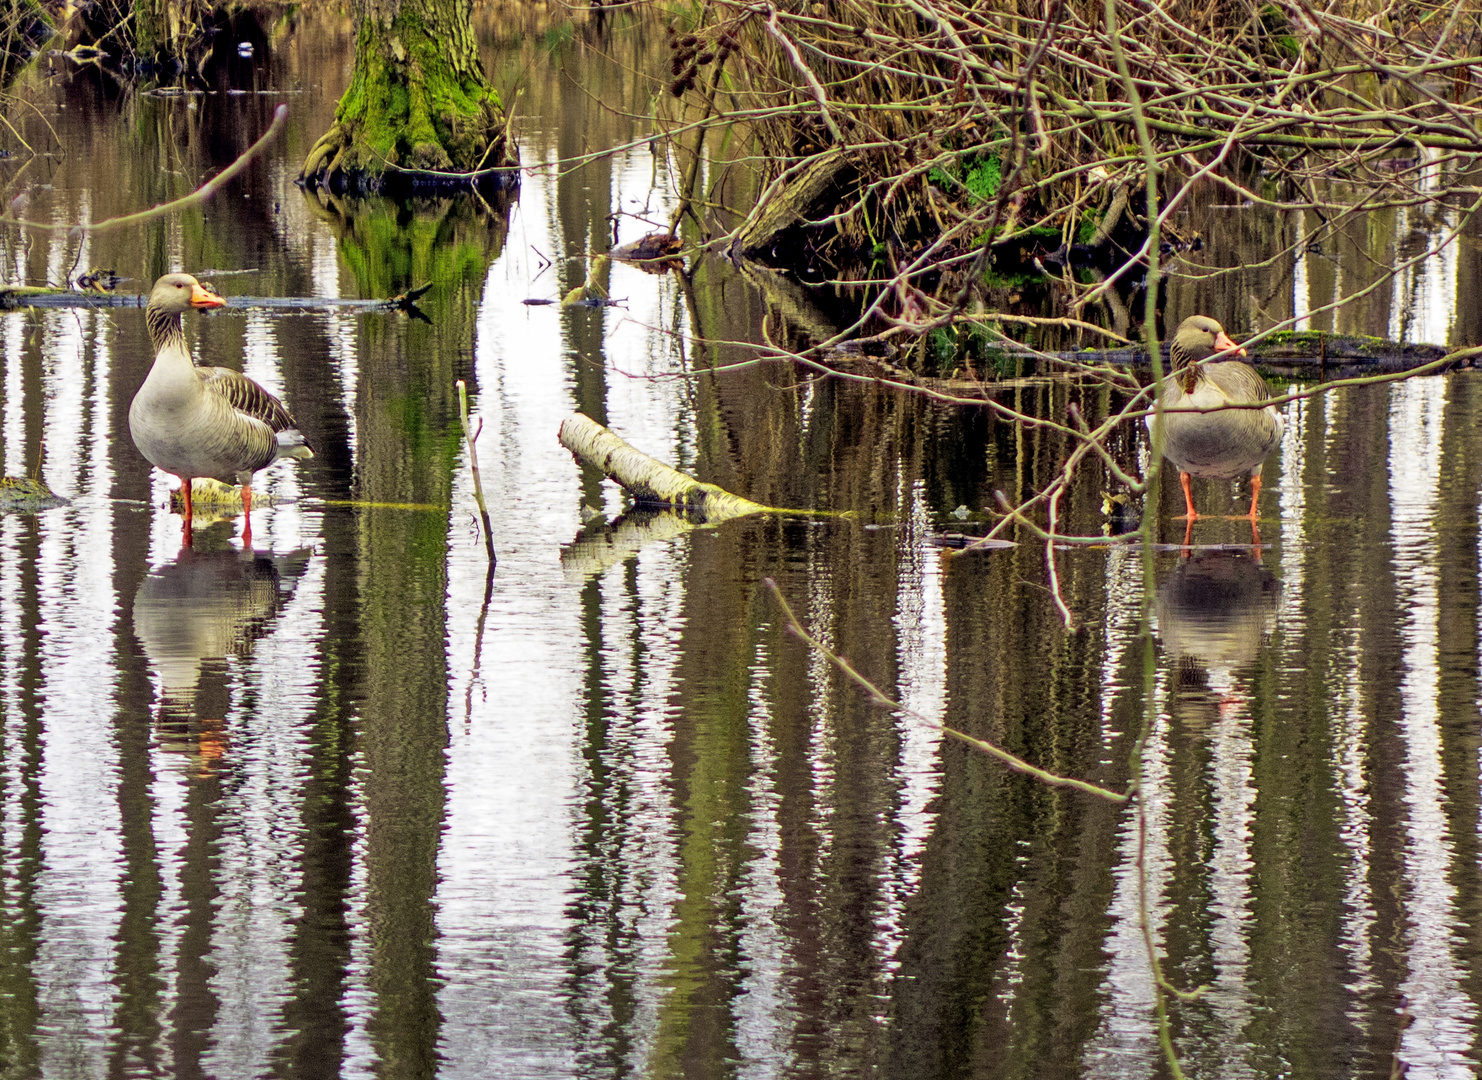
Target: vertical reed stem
473, 464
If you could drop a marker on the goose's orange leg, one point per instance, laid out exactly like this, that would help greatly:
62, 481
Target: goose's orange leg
1187, 482
246, 516
185, 499
1255, 494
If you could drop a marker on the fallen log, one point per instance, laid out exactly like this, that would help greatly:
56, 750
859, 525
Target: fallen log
650, 482
1301, 356
792, 203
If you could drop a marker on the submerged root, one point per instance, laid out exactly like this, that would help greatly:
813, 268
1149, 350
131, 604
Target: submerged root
324, 156
341, 165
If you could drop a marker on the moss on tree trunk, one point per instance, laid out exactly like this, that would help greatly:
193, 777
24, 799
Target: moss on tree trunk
419, 111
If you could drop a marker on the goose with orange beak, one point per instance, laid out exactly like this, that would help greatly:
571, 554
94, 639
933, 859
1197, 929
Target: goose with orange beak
1224, 444
204, 421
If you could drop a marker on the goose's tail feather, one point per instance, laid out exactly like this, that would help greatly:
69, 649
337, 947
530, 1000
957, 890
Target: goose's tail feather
291, 443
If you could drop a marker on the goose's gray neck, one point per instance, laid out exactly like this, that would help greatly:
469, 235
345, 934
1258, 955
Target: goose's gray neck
164, 328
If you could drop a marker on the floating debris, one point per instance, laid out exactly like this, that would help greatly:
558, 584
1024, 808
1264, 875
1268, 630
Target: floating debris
655, 247
957, 541
45, 296
24, 495
590, 301
96, 280
212, 499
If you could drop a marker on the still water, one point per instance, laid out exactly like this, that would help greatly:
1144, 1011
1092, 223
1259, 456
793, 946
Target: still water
348, 806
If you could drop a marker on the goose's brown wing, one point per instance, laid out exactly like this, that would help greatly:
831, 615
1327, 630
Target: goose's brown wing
1238, 382
246, 396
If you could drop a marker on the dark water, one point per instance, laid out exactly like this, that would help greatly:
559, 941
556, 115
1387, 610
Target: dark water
324, 810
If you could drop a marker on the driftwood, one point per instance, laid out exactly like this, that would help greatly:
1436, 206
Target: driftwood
1304, 355
651, 483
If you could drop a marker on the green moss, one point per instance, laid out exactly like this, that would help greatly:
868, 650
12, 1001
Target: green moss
1311, 342
979, 177
409, 106
1012, 280
1088, 226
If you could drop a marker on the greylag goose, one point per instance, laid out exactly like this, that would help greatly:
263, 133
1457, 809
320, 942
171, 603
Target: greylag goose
204, 421
1221, 445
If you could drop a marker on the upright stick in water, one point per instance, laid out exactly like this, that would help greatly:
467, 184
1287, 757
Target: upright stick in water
204, 421
469, 437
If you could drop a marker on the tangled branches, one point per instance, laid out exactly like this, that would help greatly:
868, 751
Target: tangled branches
957, 126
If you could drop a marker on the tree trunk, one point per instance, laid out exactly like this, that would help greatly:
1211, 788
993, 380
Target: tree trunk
419, 112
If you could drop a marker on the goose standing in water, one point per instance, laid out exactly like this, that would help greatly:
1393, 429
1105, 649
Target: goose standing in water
1220, 445
204, 421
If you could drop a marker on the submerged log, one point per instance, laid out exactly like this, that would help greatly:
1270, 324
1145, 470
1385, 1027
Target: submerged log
650, 482
27, 495
1298, 354
46, 296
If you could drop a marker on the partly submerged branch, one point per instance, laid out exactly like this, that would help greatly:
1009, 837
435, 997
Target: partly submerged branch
1295, 351
879, 697
199, 195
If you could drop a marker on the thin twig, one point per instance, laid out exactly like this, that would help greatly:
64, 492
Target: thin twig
879, 697
199, 195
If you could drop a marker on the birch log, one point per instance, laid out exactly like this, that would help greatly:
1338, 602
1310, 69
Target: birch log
649, 481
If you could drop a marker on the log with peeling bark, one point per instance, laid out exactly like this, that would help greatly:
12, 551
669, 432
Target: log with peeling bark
650, 482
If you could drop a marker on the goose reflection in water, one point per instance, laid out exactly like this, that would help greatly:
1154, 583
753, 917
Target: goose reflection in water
1214, 610
192, 614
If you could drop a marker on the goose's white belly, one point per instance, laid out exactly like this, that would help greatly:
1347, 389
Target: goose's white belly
186, 436
1219, 445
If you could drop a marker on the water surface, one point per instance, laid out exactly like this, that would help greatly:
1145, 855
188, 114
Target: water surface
345, 805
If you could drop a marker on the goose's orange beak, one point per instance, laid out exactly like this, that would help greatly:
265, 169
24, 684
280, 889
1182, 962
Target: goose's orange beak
202, 296
1222, 342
